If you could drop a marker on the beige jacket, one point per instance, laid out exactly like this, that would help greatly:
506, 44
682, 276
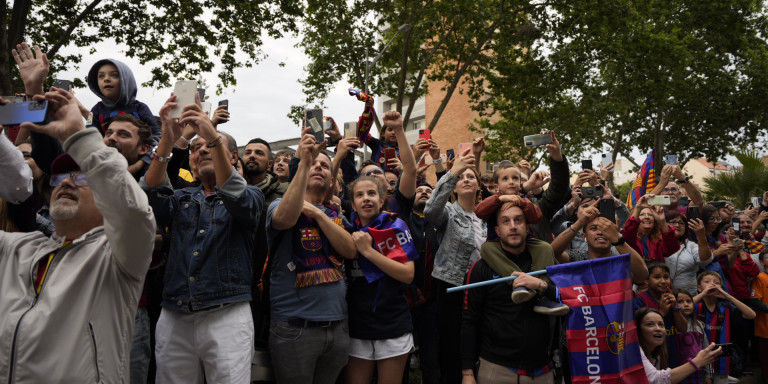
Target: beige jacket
79, 328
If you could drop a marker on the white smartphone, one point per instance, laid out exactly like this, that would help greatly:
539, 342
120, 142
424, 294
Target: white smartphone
185, 95
207, 108
606, 160
659, 200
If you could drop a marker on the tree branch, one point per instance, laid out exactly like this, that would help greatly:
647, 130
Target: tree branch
72, 25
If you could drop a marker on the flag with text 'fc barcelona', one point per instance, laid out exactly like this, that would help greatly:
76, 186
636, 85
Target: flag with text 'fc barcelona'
601, 335
392, 239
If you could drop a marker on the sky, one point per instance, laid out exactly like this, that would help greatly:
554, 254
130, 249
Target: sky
258, 105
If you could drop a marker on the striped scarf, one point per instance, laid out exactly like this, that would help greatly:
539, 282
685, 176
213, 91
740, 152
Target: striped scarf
717, 324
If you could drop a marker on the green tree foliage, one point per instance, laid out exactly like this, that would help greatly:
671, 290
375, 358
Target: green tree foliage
740, 185
681, 77
178, 38
448, 42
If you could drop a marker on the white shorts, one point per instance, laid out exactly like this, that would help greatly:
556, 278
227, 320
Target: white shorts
381, 349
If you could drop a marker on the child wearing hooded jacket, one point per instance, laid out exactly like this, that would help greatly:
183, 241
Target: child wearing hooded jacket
114, 83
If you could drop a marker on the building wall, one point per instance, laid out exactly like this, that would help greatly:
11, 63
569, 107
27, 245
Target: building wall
453, 126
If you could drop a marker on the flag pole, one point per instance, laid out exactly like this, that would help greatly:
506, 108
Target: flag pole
494, 281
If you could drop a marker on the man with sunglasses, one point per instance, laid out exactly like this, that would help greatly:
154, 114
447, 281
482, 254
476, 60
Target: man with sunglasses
69, 301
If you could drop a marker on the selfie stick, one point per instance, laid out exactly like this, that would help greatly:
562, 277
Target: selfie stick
494, 281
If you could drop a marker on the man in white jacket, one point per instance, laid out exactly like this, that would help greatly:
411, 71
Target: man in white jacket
69, 301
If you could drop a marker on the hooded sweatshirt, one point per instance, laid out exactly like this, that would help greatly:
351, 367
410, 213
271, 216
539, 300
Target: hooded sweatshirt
126, 103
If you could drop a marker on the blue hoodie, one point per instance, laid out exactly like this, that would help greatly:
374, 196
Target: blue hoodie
126, 103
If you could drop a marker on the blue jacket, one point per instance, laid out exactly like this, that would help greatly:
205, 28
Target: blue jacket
454, 230
212, 239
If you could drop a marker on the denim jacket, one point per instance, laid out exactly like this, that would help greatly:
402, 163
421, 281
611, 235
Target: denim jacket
212, 239
455, 232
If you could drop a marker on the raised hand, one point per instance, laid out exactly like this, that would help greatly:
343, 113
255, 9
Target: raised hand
171, 129
419, 147
698, 227
538, 180
346, 145
587, 214
392, 119
434, 149
33, 67
308, 149
525, 167
609, 229
64, 113
478, 146
554, 149
464, 160
220, 115
333, 132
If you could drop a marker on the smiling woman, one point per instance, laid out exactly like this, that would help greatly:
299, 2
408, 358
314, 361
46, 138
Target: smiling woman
653, 350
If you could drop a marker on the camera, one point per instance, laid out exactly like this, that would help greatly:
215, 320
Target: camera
592, 192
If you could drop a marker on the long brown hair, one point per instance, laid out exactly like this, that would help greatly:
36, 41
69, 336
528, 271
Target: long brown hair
659, 352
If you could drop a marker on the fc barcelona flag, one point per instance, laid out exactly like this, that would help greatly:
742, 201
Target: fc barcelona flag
601, 334
644, 182
392, 238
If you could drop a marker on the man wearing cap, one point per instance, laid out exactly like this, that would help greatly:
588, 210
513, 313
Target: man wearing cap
68, 301
205, 330
504, 332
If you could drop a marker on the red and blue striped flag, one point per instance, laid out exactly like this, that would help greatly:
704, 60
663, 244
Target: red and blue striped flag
644, 182
601, 332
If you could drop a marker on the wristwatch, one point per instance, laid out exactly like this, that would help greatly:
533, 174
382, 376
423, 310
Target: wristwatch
683, 181
621, 241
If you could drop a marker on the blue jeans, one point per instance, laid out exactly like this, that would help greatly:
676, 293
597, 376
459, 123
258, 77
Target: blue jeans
308, 355
140, 351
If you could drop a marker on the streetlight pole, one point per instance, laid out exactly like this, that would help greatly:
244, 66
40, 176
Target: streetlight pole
370, 64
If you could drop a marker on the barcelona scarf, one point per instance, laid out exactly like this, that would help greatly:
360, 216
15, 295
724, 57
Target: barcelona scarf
365, 122
601, 332
313, 259
717, 325
644, 182
392, 239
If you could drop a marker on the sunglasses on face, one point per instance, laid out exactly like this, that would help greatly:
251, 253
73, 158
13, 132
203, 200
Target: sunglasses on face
78, 178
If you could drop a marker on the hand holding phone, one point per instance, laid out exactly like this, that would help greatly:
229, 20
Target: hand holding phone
425, 134
314, 118
586, 164
389, 154
185, 95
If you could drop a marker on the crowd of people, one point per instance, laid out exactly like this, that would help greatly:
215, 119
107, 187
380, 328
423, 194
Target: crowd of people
145, 249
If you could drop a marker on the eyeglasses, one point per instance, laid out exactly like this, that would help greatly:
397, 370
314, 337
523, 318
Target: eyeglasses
375, 171
675, 222
715, 219
78, 178
670, 190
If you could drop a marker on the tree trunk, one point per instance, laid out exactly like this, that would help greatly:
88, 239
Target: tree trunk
5, 55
